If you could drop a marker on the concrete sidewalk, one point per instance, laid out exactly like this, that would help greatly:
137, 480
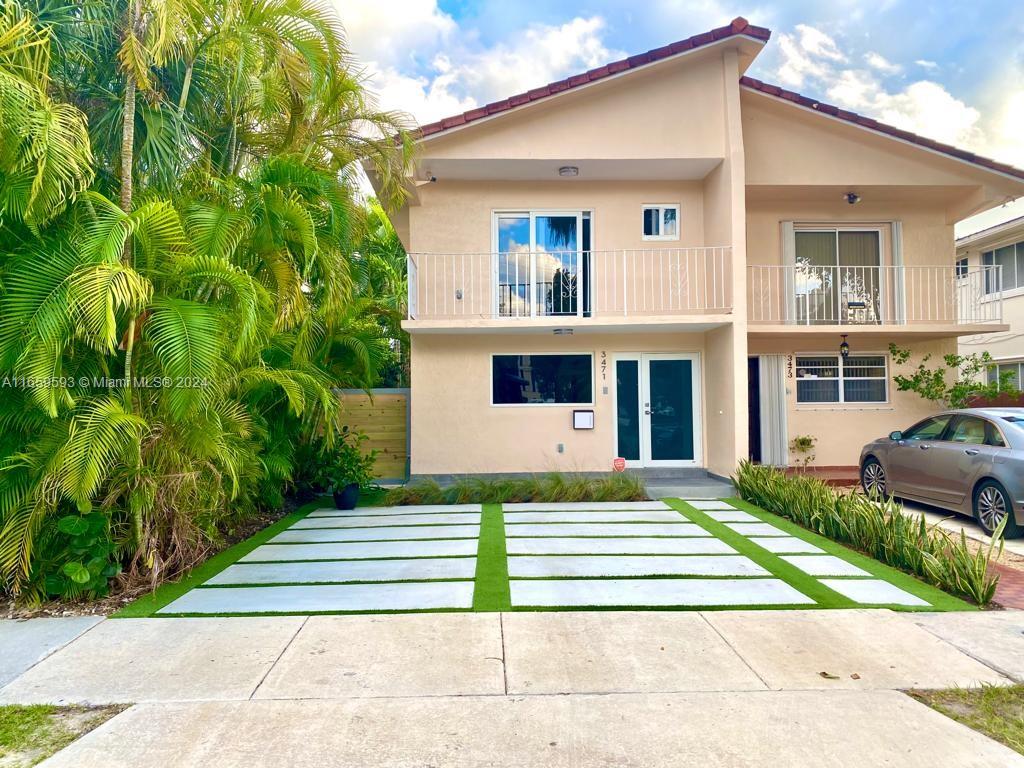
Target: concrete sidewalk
722, 688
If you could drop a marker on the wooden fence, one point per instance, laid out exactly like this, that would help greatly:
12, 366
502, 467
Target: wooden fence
383, 416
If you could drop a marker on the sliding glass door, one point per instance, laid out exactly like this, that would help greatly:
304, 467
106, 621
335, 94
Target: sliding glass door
838, 276
541, 263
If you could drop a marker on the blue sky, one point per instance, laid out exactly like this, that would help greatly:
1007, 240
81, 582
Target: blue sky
950, 70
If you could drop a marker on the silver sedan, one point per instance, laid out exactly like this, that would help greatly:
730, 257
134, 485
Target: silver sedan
969, 461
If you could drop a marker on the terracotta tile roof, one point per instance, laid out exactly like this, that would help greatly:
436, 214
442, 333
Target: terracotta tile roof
883, 128
738, 26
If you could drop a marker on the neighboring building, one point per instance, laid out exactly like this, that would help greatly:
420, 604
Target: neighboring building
659, 259
1002, 246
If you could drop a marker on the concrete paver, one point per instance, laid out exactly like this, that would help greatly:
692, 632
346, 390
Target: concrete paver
541, 566
654, 592
314, 598
389, 533
348, 570
361, 550
618, 546
873, 591
680, 528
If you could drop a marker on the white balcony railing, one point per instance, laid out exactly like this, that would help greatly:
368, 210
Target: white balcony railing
888, 295
524, 285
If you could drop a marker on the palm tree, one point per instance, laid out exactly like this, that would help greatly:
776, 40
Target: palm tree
188, 219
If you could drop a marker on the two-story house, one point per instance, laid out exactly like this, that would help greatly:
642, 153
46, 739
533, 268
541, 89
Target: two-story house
658, 260
1003, 246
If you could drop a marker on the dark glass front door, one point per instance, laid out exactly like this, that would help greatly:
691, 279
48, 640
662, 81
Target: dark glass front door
671, 409
656, 406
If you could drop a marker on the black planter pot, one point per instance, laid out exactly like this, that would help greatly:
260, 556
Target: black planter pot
347, 497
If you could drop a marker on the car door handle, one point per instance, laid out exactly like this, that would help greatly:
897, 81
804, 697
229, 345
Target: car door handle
971, 451
925, 447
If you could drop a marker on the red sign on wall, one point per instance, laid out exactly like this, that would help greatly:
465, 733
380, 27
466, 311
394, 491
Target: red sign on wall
619, 464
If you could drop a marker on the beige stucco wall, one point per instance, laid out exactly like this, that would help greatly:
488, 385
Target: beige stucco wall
672, 109
843, 429
457, 430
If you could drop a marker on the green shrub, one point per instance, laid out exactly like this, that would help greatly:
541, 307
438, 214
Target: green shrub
876, 527
551, 487
76, 558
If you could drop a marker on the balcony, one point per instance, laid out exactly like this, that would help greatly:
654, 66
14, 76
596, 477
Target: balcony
543, 288
924, 297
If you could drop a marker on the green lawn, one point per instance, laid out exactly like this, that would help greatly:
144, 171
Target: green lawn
30, 734
996, 711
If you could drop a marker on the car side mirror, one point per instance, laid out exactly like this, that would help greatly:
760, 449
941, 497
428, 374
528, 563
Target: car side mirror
897, 435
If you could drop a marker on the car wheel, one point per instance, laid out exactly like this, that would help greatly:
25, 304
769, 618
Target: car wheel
992, 506
873, 480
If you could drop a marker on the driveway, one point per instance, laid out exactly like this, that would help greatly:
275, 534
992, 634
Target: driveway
724, 689
681, 554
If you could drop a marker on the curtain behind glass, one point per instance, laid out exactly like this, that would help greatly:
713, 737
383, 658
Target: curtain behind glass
815, 277
859, 276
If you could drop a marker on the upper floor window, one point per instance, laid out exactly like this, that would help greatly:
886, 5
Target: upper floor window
961, 268
1011, 259
834, 379
661, 222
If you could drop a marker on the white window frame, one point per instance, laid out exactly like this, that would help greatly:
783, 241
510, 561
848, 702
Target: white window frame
841, 379
661, 208
995, 364
531, 215
574, 353
966, 263
1007, 291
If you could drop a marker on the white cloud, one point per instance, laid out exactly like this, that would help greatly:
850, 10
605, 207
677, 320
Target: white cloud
807, 54
420, 61
391, 33
882, 64
813, 60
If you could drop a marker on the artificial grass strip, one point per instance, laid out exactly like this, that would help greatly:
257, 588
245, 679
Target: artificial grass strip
939, 600
491, 592
775, 565
147, 605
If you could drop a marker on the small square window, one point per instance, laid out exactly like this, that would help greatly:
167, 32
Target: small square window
661, 222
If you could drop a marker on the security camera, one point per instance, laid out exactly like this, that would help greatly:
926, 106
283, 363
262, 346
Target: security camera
852, 198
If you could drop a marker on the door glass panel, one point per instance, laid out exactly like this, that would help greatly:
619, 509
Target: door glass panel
627, 389
859, 277
513, 265
558, 264
671, 390
815, 278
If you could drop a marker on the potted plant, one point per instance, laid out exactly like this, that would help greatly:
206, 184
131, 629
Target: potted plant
345, 470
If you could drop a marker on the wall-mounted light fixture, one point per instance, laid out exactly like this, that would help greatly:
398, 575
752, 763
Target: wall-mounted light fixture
844, 348
852, 198
568, 170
